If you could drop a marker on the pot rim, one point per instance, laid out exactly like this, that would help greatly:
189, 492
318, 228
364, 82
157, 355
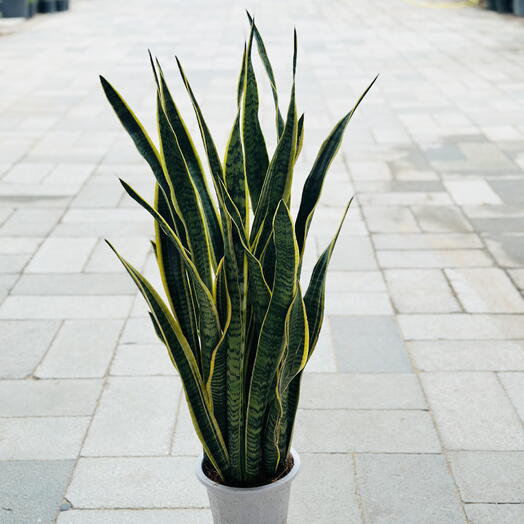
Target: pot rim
208, 483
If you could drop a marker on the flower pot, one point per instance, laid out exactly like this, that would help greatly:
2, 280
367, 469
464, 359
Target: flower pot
13, 8
46, 6
504, 6
62, 5
261, 505
518, 7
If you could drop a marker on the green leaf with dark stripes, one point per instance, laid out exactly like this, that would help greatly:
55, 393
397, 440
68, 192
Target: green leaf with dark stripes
193, 163
209, 323
186, 199
315, 294
174, 279
315, 179
234, 171
269, 70
255, 153
300, 136
209, 145
139, 135
205, 423
271, 339
235, 355
277, 184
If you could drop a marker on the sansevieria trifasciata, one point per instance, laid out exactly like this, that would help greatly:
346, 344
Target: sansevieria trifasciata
237, 324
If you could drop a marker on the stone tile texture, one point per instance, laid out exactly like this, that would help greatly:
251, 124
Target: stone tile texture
412, 406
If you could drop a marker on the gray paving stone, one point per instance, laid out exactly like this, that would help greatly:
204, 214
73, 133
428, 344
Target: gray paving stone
514, 385
61, 255
75, 284
424, 241
127, 516
135, 417
82, 349
138, 331
30, 222
32, 491
98, 195
452, 327
332, 497
41, 438
323, 359
390, 220
507, 249
444, 153
498, 225
433, 258
472, 412
146, 482
494, 211
185, 441
420, 291
467, 355
68, 307
26, 398
500, 296
484, 476
517, 275
351, 253
6, 283
355, 282
407, 489
472, 192
426, 112
341, 303
139, 359
495, 513
510, 191
410, 198
19, 245
368, 344
440, 219
369, 170
361, 391
24, 343
342, 431
13, 263
103, 260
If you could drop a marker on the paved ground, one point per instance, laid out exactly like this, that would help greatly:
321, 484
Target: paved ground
413, 409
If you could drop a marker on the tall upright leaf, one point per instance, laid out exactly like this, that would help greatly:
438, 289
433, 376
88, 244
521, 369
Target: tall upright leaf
271, 339
279, 121
186, 199
315, 180
255, 153
197, 398
193, 163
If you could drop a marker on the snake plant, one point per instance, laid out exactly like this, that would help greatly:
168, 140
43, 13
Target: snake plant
236, 323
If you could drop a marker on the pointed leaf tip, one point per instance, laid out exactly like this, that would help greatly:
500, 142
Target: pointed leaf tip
295, 51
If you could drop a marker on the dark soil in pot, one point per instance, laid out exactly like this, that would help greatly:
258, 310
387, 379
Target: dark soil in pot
211, 474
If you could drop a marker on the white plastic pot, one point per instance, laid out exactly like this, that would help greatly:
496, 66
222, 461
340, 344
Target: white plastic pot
261, 505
